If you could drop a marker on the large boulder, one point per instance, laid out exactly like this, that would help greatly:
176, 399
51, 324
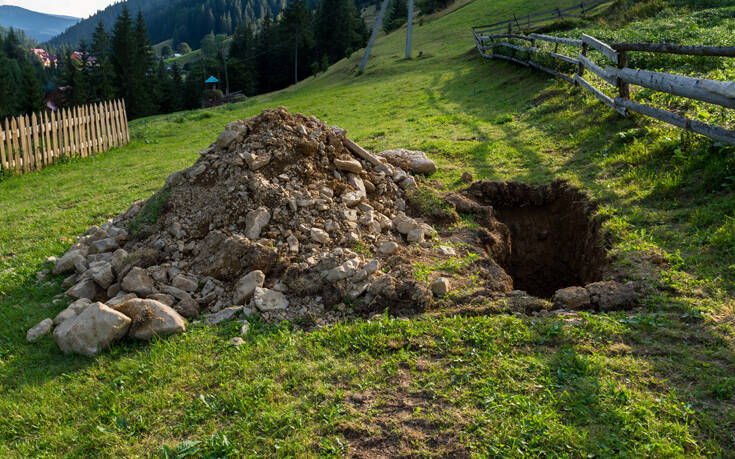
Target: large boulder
92, 330
151, 318
415, 161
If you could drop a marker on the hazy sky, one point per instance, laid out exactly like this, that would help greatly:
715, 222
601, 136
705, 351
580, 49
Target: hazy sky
78, 8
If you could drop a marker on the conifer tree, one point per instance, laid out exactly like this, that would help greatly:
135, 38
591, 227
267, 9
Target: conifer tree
241, 64
101, 75
339, 30
122, 58
144, 86
31, 94
8, 84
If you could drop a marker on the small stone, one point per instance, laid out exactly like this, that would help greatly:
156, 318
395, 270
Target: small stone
255, 162
608, 295
388, 248
440, 287
187, 307
255, 221
101, 272
246, 286
187, 283
164, 298
119, 257
223, 315
245, 328
350, 165
237, 341
571, 298
320, 236
121, 299
372, 266
269, 300
293, 244
467, 178
415, 235
446, 250
66, 263
40, 329
105, 245
138, 281
85, 288
226, 138
352, 198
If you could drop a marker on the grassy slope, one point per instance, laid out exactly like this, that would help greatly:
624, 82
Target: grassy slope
655, 381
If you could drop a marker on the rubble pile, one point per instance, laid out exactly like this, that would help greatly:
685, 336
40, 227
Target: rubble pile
284, 217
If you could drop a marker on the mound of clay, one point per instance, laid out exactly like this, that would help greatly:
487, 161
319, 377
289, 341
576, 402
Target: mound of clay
285, 217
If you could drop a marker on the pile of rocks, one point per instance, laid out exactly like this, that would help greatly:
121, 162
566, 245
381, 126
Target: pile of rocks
269, 221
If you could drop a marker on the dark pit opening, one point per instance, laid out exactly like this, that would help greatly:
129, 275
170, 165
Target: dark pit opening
555, 240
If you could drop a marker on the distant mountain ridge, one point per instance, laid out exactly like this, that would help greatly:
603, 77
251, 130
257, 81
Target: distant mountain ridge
39, 26
183, 20
85, 28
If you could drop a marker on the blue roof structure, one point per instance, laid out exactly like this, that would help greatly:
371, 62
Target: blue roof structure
212, 80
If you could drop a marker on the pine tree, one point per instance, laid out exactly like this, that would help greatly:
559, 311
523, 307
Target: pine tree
8, 84
101, 76
31, 95
396, 16
144, 86
73, 80
177, 85
122, 58
241, 64
13, 47
339, 30
194, 86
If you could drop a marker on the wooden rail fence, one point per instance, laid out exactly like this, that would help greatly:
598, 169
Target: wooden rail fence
534, 20
619, 75
32, 142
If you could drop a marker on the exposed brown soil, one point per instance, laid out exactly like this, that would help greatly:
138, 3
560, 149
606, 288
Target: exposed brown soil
555, 240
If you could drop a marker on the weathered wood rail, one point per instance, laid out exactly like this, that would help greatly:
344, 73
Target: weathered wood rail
619, 75
526, 23
32, 142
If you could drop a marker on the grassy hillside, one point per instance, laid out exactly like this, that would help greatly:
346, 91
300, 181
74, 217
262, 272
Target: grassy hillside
656, 381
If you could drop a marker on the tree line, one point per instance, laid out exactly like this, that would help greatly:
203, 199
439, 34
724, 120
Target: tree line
119, 62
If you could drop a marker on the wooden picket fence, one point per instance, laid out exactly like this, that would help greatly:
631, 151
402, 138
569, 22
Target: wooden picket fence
619, 75
31, 142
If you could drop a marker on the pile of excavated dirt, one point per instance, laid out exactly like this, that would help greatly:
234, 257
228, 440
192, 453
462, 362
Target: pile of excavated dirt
287, 218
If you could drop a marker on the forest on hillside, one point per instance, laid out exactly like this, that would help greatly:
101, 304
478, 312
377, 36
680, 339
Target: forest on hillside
119, 62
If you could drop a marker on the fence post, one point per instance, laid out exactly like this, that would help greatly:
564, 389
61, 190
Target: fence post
46, 139
3, 159
64, 119
36, 146
580, 70
624, 88
16, 149
125, 120
55, 134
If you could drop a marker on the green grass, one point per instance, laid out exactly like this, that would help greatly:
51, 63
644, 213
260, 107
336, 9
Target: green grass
656, 381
